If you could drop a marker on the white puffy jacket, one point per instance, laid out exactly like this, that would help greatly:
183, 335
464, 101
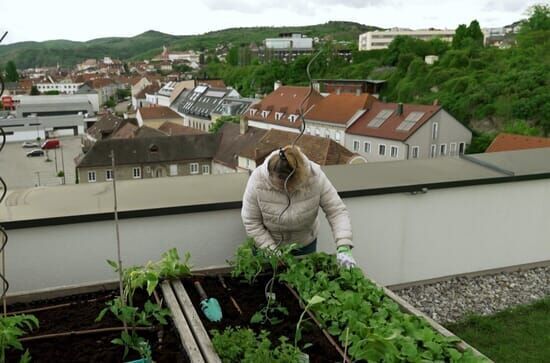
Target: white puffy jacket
263, 203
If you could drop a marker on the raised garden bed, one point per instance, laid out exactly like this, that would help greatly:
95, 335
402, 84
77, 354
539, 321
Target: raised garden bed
365, 321
69, 332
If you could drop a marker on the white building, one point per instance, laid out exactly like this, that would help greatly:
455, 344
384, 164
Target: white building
65, 88
381, 39
289, 41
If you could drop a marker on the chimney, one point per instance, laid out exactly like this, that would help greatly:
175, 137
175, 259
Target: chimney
399, 110
277, 85
244, 126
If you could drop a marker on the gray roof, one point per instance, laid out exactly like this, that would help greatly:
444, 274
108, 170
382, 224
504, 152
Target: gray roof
202, 101
141, 150
234, 106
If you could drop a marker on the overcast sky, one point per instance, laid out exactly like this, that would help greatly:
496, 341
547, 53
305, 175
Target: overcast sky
77, 20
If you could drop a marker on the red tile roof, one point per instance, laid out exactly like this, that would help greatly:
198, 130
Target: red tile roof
215, 83
287, 100
339, 109
508, 142
150, 89
388, 129
157, 112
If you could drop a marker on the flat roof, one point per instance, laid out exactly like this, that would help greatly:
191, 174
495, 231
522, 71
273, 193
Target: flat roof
177, 195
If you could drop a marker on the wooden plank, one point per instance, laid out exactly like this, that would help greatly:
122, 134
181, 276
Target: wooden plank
405, 306
186, 336
201, 336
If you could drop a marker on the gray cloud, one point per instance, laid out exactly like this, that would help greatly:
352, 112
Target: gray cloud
308, 6
505, 5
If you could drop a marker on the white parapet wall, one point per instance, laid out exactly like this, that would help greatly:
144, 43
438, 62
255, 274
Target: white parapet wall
400, 237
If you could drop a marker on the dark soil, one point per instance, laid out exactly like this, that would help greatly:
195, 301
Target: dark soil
97, 347
250, 299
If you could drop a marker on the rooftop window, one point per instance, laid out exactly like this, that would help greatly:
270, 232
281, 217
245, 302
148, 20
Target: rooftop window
380, 118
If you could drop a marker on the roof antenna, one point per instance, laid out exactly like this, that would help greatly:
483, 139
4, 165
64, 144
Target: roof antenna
306, 98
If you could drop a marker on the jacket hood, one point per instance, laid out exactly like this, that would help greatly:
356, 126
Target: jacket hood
300, 176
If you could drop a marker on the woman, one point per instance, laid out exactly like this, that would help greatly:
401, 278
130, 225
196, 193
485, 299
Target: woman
281, 204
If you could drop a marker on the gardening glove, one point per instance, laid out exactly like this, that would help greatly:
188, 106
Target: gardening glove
344, 257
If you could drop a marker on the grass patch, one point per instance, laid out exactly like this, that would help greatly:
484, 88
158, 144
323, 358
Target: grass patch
520, 334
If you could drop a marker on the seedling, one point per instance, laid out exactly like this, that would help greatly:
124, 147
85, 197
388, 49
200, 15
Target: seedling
11, 329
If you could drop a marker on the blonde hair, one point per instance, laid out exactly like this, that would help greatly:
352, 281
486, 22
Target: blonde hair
284, 162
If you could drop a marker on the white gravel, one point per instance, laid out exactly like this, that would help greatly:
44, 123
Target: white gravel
451, 300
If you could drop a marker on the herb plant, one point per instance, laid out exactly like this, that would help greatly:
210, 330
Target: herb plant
11, 329
236, 345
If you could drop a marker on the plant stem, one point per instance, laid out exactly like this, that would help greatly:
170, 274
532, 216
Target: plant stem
298, 326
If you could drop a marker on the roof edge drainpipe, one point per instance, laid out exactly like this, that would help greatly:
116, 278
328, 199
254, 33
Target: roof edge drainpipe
487, 165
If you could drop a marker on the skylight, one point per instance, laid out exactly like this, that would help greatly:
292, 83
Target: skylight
410, 121
380, 118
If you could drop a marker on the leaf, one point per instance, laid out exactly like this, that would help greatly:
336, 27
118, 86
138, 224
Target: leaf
113, 264
258, 317
315, 300
26, 357
101, 314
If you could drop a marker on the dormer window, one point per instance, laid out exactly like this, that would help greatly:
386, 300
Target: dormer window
265, 114
253, 111
292, 118
279, 115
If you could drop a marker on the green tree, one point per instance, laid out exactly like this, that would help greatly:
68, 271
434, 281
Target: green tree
539, 18
11, 72
220, 121
461, 33
34, 91
233, 56
475, 33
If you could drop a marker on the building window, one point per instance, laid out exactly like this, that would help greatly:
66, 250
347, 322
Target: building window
194, 168
327, 134
461, 148
415, 152
366, 147
293, 118
206, 169
435, 127
382, 150
394, 151
452, 150
443, 149
317, 132
108, 174
136, 172
308, 131
337, 136
433, 151
173, 169
91, 177
278, 115
355, 145
265, 114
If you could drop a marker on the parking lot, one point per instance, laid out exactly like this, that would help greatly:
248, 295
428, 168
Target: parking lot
20, 171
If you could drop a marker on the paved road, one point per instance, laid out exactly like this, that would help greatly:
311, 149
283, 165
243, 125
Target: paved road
20, 171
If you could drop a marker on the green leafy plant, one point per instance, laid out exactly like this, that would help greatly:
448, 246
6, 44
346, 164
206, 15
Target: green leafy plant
130, 340
11, 329
243, 345
311, 302
366, 322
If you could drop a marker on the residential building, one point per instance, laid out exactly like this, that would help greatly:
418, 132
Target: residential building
381, 39
190, 56
146, 96
137, 90
510, 142
391, 131
155, 116
68, 88
371, 86
332, 115
103, 128
171, 128
148, 157
281, 108
87, 65
198, 105
105, 87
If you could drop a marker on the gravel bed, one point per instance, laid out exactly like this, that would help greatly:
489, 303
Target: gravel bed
451, 300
